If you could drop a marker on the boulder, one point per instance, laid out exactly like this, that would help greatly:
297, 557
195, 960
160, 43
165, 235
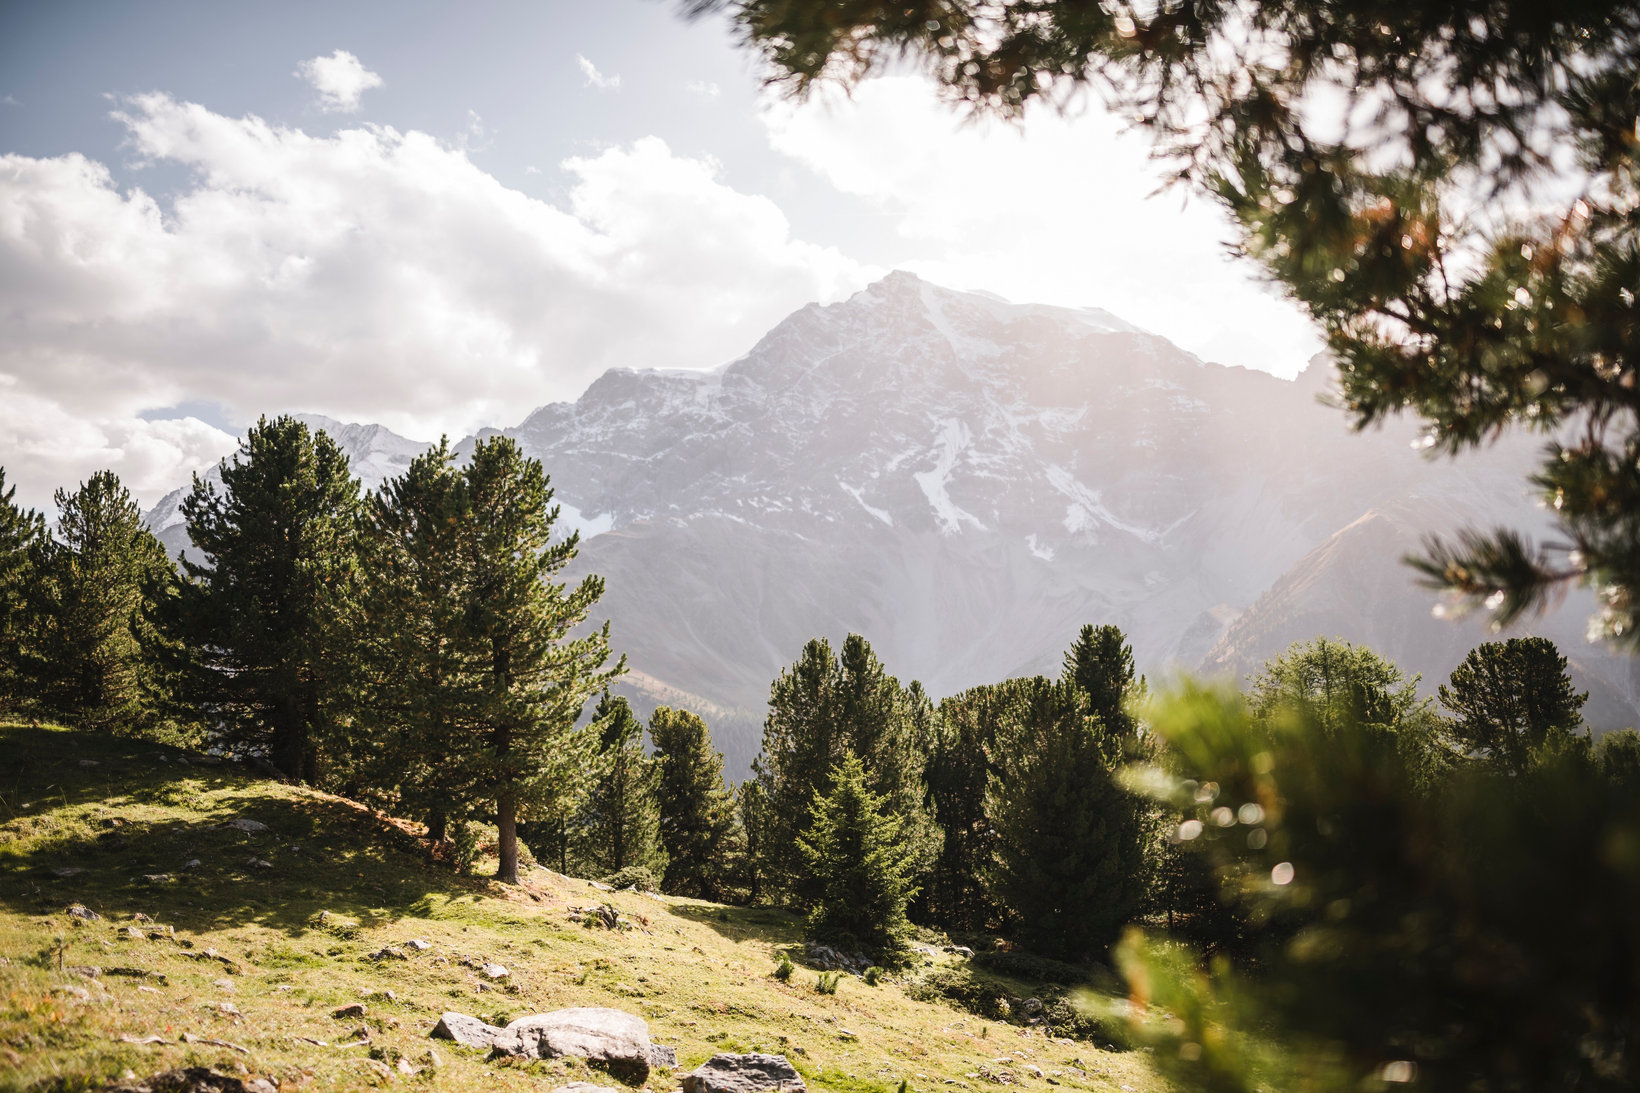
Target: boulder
663, 1056
618, 1040
466, 1031
250, 827
744, 1074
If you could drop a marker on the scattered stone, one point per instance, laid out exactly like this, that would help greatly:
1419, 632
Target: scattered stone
663, 1056
259, 863
140, 917
960, 950
495, 971
211, 954
380, 1068
228, 1009
614, 1038
240, 823
78, 992
137, 973
127, 1038
132, 933
404, 1067
1035, 1071
189, 1038
466, 1031
223, 984
82, 912
418, 944
192, 863
389, 995
829, 959
387, 953
67, 871
352, 1009
744, 1074
86, 971
157, 878
1031, 1006
433, 1060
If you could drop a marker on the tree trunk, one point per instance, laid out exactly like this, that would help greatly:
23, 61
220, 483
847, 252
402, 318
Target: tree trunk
438, 826
506, 824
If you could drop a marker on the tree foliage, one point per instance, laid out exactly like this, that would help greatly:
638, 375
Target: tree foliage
261, 615
619, 814
1448, 189
91, 645
854, 846
697, 811
20, 530
1512, 700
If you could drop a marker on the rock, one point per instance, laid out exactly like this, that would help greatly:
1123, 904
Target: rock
495, 971
240, 823
137, 973
960, 950
403, 1067
387, 953
1031, 1006
192, 863
156, 878
466, 1031
67, 871
132, 933
830, 959
616, 1039
663, 1055
228, 1009
418, 944
744, 1074
86, 971
352, 1009
259, 863
82, 912
140, 917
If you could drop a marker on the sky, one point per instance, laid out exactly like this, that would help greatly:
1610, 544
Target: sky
439, 217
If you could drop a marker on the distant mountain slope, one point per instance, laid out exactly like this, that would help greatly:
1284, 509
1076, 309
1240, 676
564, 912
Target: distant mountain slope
967, 481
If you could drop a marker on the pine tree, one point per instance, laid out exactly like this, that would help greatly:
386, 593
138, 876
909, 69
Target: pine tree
1511, 700
959, 767
20, 530
261, 615
619, 824
537, 678
420, 669
820, 708
1067, 861
855, 847
697, 811
92, 599
1100, 665
752, 815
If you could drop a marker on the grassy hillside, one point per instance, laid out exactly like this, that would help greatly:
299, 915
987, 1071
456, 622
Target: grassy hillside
235, 948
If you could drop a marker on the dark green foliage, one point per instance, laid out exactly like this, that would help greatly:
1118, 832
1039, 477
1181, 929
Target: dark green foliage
637, 877
1482, 937
820, 709
1100, 665
20, 531
1067, 861
1511, 700
419, 688
1477, 323
855, 850
261, 615
1342, 685
752, 814
955, 893
536, 679
618, 822
826, 982
783, 968
697, 811
873, 975
1619, 758
90, 649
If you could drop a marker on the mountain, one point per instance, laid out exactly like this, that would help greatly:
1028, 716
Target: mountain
967, 481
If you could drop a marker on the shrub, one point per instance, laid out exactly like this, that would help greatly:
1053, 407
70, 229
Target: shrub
874, 975
826, 982
783, 968
639, 877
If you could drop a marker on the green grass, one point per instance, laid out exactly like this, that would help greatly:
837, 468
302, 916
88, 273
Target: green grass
286, 943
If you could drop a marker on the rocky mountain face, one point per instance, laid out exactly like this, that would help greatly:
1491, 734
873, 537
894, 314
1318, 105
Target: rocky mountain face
967, 481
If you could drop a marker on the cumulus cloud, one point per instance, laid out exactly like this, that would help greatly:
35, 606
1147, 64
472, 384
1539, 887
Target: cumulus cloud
1055, 209
341, 79
371, 275
597, 79
704, 88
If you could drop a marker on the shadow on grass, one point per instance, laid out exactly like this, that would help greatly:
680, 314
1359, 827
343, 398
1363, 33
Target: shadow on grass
774, 925
125, 826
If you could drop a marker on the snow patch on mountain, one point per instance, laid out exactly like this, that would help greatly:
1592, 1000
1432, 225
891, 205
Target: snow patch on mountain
859, 496
954, 437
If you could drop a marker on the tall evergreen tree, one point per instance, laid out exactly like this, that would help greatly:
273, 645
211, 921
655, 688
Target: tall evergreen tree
537, 678
260, 615
752, 814
92, 597
20, 530
1510, 700
1100, 665
1067, 859
855, 846
959, 768
821, 708
697, 811
620, 815
420, 667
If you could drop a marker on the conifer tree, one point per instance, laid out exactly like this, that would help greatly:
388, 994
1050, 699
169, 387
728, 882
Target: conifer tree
92, 597
1510, 700
1100, 664
20, 529
855, 847
1067, 861
959, 767
752, 815
620, 815
537, 679
697, 811
421, 669
820, 708
261, 614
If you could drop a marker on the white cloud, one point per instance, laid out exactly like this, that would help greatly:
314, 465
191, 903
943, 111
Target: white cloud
371, 275
1055, 210
705, 89
341, 79
597, 79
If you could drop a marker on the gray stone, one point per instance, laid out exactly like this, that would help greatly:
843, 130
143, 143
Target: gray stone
744, 1074
466, 1031
418, 944
618, 1040
81, 911
240, 823
494, 971
663, 1055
